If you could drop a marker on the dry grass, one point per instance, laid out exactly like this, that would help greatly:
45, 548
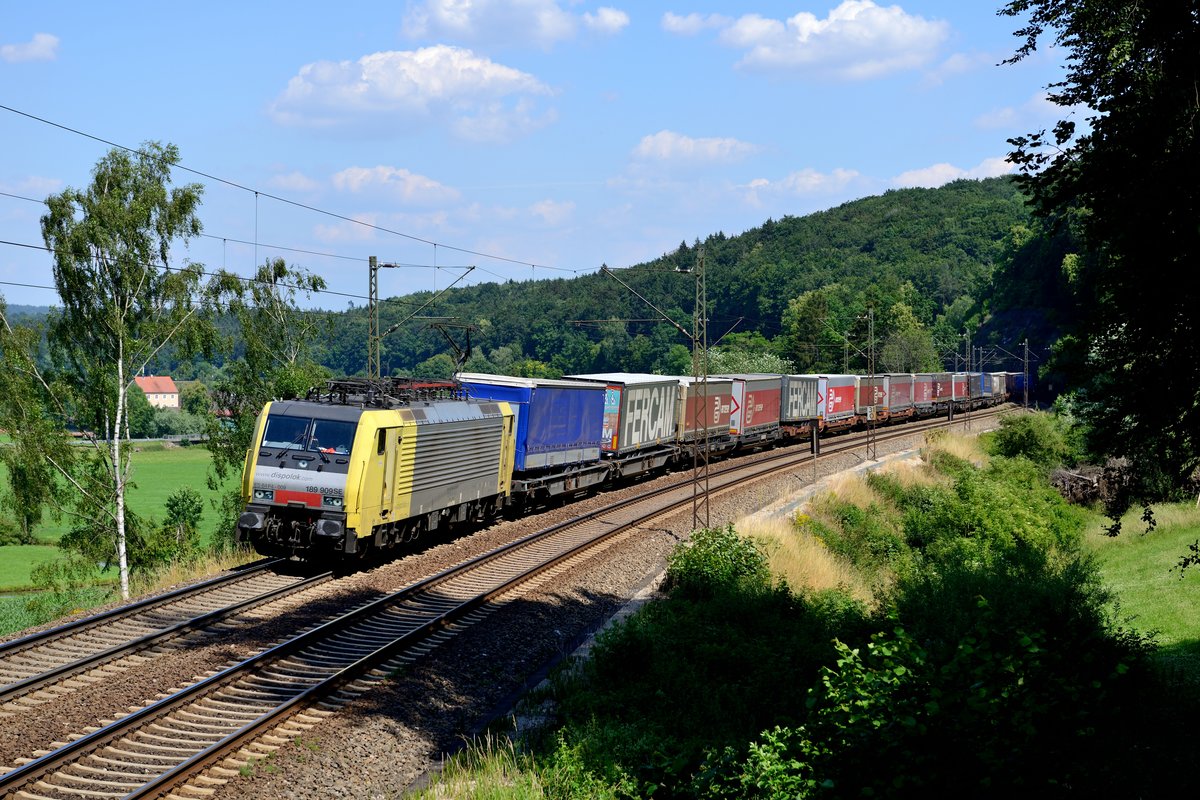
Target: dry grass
966, 447
175, 573
799, 558
912, 473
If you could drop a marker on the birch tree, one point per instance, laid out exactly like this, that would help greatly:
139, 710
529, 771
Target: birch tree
122, 301
274, 360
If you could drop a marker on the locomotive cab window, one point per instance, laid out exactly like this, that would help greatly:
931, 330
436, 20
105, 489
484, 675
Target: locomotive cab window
285, 433
332, 436
381, 441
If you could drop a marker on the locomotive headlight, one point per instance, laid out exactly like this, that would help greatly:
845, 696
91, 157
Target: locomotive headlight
264, 494
331, 501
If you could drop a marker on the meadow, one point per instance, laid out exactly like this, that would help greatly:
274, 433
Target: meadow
158, 470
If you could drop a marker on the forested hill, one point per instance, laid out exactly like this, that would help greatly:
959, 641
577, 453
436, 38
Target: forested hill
913, 255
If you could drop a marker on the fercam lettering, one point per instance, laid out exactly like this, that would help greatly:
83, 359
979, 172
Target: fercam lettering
646, 415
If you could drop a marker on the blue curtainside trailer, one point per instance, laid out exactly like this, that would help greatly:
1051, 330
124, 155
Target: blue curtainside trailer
558, 422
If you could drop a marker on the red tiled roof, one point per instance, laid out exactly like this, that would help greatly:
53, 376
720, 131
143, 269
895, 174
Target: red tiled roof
156, 384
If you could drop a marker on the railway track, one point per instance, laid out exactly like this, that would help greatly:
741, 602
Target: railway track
209, 730
49, 659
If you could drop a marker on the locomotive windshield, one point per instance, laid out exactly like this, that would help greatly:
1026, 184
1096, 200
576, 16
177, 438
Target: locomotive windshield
284, 432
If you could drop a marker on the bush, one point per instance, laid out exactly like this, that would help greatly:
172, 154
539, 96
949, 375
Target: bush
1039, 437
701, 668
1006, 706
11, 533
715, 557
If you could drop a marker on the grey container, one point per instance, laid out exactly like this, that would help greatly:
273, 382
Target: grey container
640, 410
800, 399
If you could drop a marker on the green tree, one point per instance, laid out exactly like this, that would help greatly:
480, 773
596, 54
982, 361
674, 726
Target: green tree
726, 362
122, 301
276, 361
909, 345
141, 415
437, 368
40, 456
1126, 180
194, 398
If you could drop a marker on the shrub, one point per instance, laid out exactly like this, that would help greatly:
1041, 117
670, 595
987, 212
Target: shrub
715, 557
12, 533
1039, 437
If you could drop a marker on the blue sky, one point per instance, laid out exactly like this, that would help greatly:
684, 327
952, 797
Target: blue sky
542, 137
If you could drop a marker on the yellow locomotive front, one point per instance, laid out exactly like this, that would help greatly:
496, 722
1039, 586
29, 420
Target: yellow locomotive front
296, 477
328, 478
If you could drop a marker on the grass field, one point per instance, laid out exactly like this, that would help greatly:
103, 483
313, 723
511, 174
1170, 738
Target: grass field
16, 562
1141, 569
158, 471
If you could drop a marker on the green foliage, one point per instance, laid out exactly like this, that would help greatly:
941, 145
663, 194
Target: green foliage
726, 362
39, 457
714, 558
276, 359
141, 414
1039, 437
194, 398
1124, 185
178, 538
67, 585
12, 533
122, 304
981, 516
699, 669
868, 537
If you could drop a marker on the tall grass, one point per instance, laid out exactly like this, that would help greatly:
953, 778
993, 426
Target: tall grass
178, 572
799, 558
967, 448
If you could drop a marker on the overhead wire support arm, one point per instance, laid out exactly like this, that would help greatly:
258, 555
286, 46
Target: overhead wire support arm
374, 337
606, 271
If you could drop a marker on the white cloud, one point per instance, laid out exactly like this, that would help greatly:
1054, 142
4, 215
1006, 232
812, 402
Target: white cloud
401, 184
434, 82
606, 20
551, 212
543, 23
1037, 110
938, 174
856, 41
494, 122
801, 183
35, 186
958, 64
671, 146
692, 24
43, 47
361, 230
293, 182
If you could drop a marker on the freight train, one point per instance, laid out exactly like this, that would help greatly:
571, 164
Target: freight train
361, 466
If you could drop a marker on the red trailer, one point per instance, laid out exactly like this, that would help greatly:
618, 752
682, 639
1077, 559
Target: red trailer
900, 395
923, 394
872, 397
704, 406
756, 400
837, 394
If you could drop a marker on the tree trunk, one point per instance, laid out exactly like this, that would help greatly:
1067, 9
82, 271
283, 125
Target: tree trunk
119, 476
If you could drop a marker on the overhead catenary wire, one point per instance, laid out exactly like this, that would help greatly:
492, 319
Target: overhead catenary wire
294, 203
287, 249
209, 274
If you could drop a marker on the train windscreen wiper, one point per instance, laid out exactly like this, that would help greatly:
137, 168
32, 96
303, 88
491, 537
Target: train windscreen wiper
293, 444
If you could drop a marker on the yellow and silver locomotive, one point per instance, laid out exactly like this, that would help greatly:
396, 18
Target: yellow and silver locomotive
358, 469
